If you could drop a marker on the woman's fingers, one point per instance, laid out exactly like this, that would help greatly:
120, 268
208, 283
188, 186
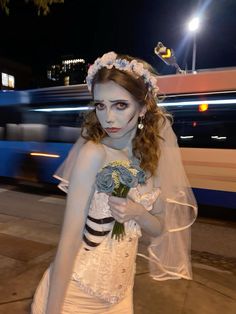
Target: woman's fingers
114, 200
118, 213
122, 209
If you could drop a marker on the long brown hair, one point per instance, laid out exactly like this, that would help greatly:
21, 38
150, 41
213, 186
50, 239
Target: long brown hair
146, 142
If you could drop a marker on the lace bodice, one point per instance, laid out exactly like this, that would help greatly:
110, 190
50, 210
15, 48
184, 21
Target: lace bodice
108, 270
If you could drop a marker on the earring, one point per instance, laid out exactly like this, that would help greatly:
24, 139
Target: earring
140, 124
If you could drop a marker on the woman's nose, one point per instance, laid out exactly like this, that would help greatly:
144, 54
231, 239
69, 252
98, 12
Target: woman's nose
109, 116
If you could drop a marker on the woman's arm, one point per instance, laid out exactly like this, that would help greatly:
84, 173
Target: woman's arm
124, 209
151, 224
81, 189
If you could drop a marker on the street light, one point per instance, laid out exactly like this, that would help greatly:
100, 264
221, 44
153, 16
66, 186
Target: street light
193, 27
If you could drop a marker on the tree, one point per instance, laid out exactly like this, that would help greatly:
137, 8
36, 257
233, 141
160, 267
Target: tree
42, 5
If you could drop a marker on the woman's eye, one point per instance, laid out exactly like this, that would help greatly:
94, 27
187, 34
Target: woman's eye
99, 106
121, 106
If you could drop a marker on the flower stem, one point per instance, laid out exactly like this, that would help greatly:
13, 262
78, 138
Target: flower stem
118, 230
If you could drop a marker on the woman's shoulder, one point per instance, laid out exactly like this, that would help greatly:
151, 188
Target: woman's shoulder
91, 150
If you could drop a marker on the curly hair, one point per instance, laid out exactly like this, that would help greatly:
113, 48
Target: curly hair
146, 142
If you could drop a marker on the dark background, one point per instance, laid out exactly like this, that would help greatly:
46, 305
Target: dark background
86, 29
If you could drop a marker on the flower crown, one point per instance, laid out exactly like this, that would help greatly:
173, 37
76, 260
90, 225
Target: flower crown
109, 60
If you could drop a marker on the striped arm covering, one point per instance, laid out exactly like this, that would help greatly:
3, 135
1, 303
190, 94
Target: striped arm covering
96, 230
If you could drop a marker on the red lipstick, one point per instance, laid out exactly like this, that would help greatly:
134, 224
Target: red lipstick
112, 130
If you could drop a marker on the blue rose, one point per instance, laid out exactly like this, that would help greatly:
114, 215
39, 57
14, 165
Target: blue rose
126, 177
141, 175
104, 181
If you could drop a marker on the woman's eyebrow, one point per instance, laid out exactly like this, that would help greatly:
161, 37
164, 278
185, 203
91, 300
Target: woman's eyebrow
112, 101
118, 100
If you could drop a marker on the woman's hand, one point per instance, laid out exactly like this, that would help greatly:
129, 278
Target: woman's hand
124, 209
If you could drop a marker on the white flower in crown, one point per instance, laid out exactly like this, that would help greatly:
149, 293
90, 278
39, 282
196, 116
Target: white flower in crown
137, 67
108, 60
153, 84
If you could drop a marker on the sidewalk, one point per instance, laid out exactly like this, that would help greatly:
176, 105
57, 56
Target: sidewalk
28, 240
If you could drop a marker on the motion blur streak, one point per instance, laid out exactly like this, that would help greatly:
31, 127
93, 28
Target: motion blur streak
44, 155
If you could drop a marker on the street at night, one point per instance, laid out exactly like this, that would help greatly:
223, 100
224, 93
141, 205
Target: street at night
112, 98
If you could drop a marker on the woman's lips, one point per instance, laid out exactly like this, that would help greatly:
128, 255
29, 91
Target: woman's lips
112, 130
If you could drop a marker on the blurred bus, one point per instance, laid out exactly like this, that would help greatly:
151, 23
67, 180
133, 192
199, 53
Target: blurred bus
39, 126
203, 106
37, 129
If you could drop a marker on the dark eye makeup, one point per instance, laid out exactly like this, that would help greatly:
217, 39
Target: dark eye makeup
119, 105
98, 105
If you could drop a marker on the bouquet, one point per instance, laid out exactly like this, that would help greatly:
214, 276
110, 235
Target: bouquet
117, 178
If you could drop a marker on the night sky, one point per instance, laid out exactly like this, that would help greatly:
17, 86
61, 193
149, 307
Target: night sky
86, 29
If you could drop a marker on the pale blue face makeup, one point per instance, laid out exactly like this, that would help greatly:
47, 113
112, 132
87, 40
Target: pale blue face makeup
116, 109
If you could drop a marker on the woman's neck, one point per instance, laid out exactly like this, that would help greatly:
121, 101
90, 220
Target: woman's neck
124, 143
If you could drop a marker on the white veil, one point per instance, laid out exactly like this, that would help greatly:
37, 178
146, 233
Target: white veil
63, 173
169, 253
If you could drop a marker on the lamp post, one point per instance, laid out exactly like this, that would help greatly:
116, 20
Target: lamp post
193, 27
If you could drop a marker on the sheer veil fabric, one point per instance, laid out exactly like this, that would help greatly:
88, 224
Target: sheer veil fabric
169, 254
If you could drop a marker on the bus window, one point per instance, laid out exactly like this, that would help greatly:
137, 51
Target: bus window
69, 134
33, 132
213, 128
2, 130
12, 132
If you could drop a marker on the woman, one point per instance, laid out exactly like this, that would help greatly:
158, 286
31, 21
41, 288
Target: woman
92, 271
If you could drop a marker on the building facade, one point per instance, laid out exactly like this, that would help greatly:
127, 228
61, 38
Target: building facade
14, 75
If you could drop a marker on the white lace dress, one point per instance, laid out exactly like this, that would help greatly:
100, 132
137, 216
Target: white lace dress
103, 275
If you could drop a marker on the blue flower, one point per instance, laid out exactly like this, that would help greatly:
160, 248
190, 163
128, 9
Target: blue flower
126, 177
104, 181
122, 63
